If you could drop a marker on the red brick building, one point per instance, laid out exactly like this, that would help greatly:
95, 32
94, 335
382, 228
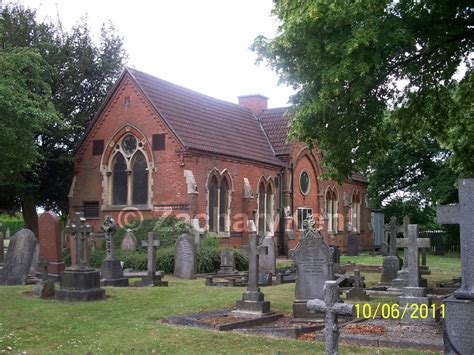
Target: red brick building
155, 148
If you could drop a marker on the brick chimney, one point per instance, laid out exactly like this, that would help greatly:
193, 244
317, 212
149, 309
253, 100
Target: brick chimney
256, 103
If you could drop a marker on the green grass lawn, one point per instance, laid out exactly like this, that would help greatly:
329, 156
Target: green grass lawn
128, 321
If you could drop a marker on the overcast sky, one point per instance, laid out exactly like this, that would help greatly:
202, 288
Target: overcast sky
202, 45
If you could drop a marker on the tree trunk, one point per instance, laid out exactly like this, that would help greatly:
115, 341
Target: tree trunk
29, 214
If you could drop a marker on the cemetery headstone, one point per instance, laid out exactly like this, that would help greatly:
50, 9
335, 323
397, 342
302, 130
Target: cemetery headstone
391, 263
185, 263
314, 262
353, 245
357, 292
414, 296
80, 282
333, 309
253, 302
111, 268
50, 242
268, 260
152, 278
227, 262
45, 287
19, 258
2, 248
7, 234
129, 241
459, 308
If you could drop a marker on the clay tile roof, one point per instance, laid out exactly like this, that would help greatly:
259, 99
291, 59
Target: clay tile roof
207, 124
275, 122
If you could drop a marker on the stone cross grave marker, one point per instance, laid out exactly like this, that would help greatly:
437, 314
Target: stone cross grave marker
332, 310
81, 232
111, 268
50, 242
406, 222
185, 264
2, 248
45, 287
459, 309
393, 228
151, 246
314, 262
463, 214
357, 292
19, 258
252, 301
412, 244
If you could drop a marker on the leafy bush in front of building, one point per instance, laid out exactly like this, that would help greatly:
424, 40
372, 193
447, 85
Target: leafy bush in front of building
13, 223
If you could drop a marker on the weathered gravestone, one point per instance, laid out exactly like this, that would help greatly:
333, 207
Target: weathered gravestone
45, 287
402, 275
353, 245
20, 256
152, 278
314, 262
2, 248
50, 242
129, 241
414, 296
391, 263
267, 262
111, 268
357, 292
332, 310
185, 263
459, 308
80, 282
253, 302
227, 262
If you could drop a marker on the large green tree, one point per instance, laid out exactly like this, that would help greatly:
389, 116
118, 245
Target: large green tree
352, 62
81, 72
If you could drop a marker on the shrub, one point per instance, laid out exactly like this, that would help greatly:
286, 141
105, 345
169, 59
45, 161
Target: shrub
14, 223
210, 240
167, 230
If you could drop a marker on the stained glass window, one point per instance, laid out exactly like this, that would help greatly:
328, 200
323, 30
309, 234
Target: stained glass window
129, 144
119, 181
140, 179
261, 209
304, 182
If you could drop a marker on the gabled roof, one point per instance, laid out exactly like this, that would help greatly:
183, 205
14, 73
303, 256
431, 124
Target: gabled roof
275, 122
207, 124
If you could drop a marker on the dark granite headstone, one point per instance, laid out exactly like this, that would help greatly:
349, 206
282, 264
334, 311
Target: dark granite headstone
391, 263
314, 262
336, 253
185, 264
353, 245
19, 258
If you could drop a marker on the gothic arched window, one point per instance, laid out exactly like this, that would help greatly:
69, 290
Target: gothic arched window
213, 204
140, 179
223, 205
266, 205
119, 180
332, 209
129, 173
355, 211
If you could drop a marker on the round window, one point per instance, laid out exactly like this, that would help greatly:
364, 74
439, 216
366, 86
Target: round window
304, 182
129, 144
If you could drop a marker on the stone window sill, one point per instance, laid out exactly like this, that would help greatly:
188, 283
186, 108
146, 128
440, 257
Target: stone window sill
127, 208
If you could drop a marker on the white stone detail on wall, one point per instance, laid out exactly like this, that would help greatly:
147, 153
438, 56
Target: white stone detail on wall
248, 193
191, 182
